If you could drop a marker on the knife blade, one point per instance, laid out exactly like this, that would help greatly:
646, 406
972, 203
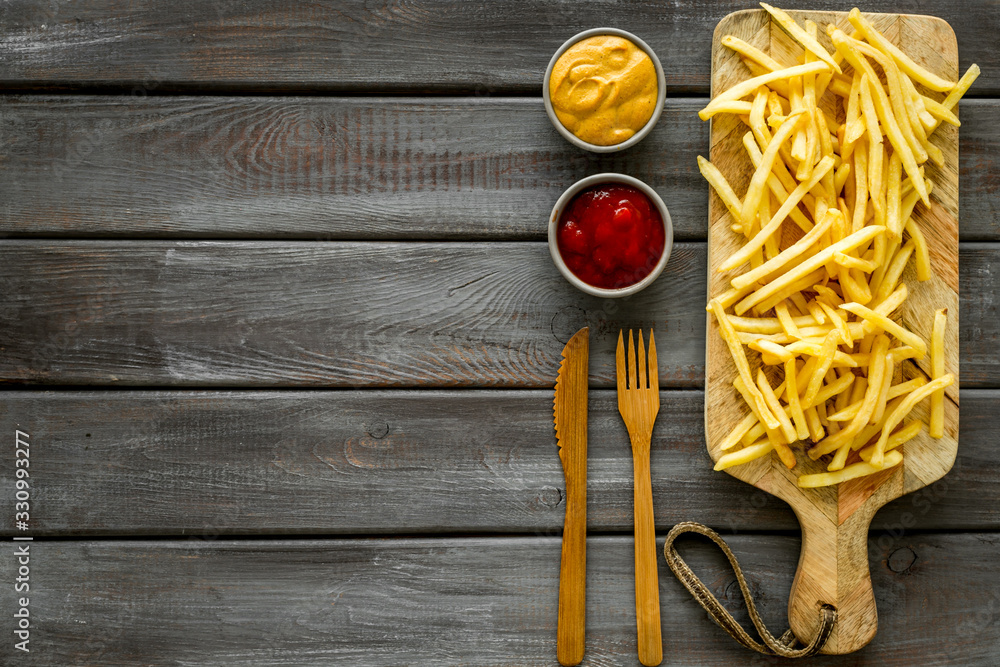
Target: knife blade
570, 416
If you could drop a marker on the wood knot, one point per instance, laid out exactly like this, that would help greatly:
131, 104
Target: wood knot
377, 430
550, 497
566, 322
901, 560
734, 595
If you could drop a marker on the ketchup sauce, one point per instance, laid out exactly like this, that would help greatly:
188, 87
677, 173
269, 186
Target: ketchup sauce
610, 235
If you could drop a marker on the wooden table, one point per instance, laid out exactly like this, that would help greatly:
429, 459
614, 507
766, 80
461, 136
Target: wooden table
280, 323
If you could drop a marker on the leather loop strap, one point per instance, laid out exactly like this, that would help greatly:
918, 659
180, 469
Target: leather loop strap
785, 646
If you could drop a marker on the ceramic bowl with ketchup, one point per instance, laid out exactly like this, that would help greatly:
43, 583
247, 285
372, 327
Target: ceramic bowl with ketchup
610, 235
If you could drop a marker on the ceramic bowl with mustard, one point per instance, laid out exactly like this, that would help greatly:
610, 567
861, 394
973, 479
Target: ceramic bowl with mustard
604, 90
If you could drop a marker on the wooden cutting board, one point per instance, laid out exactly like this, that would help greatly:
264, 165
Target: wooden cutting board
833, 565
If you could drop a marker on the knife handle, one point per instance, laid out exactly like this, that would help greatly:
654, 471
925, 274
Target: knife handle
573, 578
647, 588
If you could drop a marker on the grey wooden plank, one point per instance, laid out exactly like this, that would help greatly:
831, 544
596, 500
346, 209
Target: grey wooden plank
322, 314
354, 168
476, 601
438, 45
402, 462
346, 314
327, 168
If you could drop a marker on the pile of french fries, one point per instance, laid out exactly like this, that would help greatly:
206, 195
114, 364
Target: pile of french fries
820, 308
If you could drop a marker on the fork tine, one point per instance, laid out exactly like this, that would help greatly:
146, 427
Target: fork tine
642, 362
620, 364
631, 362
654, 378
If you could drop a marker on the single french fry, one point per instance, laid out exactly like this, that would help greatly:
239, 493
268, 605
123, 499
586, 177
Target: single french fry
894, 272
756, 189
940, 113
840, 458
905, 114
816, 431
887, 325
875, 153
860, 185
904, 409
846, 414
854, 127
794, 404
774, 182
859, 418
751, 52
885, 113
722, 188
801, 36
887, 306
812, 237
803, 283
826, 360
730, 297
900, 437
904, 388
742, 366
904, 352
839, 178
774, 435
876, 39
813, 263
739, 431
922, 257
883, 395
758, 126
839, 87
787, 322
873, 387
738, 107
851, 262
893, 219
754, 434
745, 455
787, 430
853, 471
963, 85
773, 349
845, 332
936, 427
741, 90
757, 325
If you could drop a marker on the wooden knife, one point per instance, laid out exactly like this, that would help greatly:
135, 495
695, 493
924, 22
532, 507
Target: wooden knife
571, 433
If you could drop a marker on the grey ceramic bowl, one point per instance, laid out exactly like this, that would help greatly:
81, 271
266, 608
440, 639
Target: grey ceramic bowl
597, 179
661, 92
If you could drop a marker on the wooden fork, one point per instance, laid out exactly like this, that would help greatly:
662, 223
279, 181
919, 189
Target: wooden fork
638, 405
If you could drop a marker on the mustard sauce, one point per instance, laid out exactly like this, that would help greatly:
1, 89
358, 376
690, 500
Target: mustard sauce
603, 89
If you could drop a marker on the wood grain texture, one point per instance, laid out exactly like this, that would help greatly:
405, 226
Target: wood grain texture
833, 564
353, 168
474, 601
402, 462
360, 314
423, 45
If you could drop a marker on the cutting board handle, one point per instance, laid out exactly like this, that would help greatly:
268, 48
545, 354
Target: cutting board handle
833, 569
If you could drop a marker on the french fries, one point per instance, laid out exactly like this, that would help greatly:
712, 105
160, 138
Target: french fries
826, 230
937, 370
